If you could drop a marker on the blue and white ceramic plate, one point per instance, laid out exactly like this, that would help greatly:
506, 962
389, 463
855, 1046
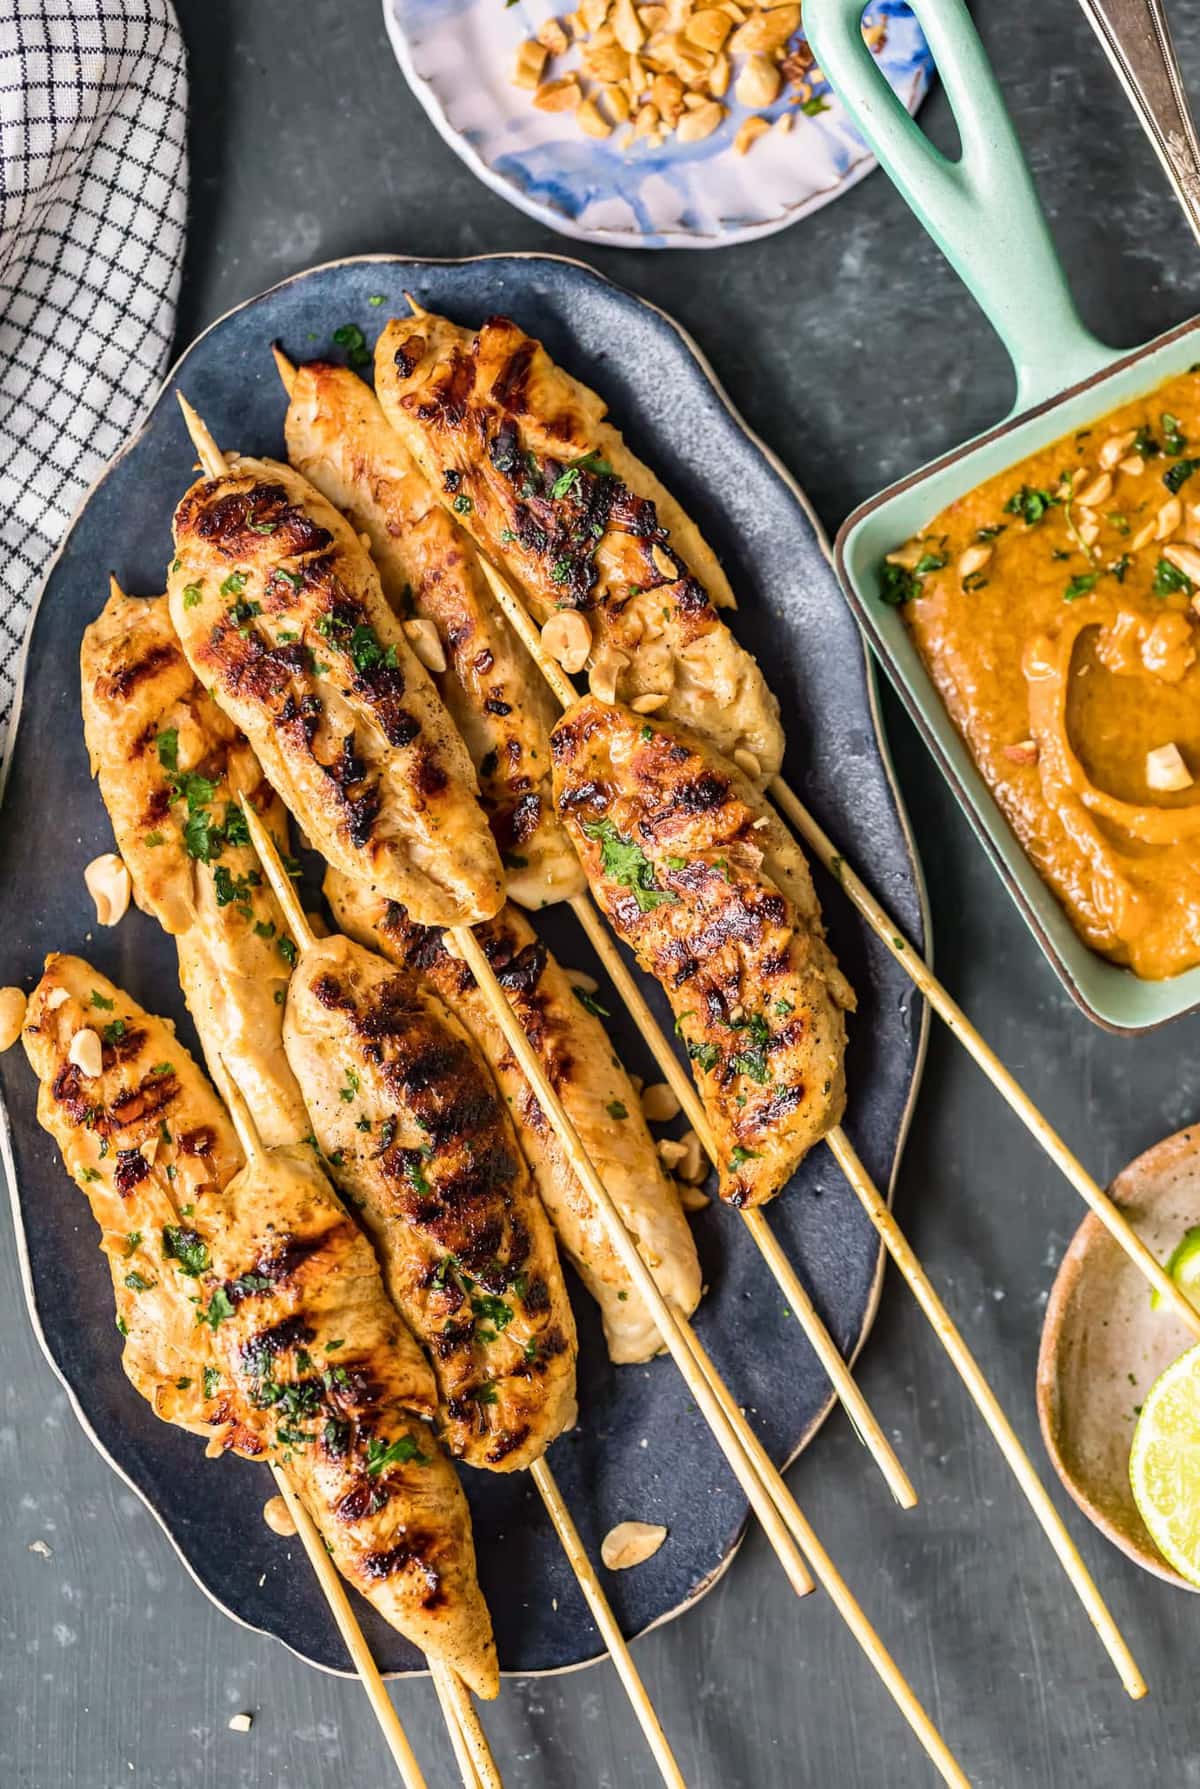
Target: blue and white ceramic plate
458, 55
640, 1449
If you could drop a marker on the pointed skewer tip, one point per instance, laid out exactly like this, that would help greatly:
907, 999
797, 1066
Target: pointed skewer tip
212, 460
416, 309
284, 367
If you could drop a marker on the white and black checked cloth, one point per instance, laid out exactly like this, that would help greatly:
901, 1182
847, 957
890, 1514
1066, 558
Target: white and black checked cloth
93, 195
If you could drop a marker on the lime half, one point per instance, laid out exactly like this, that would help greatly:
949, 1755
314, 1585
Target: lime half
1164, 1464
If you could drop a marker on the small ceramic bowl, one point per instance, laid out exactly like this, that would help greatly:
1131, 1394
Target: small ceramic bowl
1103, 1346
457, 56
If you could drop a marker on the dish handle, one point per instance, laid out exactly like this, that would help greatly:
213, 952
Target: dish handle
982, 210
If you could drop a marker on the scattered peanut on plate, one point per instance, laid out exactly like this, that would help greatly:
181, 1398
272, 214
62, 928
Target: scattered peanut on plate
666, 68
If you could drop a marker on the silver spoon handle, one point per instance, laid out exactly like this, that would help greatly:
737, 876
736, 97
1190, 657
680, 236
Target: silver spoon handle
1137, 40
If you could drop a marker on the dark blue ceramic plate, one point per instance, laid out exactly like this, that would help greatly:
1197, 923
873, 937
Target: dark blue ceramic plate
640, 1449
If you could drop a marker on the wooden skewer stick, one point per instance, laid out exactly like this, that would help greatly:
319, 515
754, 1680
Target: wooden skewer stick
327, 1574
685, 1349
352, 1634
863, 1418
881, 1217
454, 1695
543, 1477
669, 1326
948, 1009
602, 1615
462, 1755
822, 1343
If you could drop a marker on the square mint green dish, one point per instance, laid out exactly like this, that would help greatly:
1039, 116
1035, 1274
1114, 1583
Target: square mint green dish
984, 214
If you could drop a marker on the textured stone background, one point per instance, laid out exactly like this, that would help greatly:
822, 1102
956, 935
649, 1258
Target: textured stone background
851, 348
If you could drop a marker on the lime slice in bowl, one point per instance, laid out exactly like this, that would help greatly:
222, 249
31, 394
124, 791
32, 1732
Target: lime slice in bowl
1164, 1464
1184, 1268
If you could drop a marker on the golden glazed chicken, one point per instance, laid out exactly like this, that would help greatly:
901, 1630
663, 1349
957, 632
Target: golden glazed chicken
716, 901
253, 1310
171, 768
281, 614
599, 1097
418, 1140
549, 490
338, 438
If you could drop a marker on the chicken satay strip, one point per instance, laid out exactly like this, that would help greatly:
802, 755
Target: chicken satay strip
548, 489
282, 617
599, 1097
702, 881
253, 1311
329, 1376
171, 768
338, 438
144, 1138
418, 1141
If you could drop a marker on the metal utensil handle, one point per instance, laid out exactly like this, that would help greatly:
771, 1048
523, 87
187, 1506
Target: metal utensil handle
1137, 41
982, 210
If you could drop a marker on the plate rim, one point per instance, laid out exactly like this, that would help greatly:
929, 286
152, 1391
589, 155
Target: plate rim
871, 685
541, 213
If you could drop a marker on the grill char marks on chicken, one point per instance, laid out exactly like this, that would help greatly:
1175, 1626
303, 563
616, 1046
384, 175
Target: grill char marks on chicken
171, 768
129, 1139
338, 438
281, 614
556, 497
254, 1312
331, 1377
716, 901
577, 1054
417, 1138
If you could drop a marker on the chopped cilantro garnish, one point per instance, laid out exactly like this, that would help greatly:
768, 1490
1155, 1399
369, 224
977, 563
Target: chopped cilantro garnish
234, 584
191, 595
625, 861
382, 1454
350, 337
462, 504
187, 1249
1174, 439
492, 1310
1168, 578
167, 744
288, 951
1080, 586
1030, 504
114, 1031
212, 1381
589, 1003
133, 1243
220, 1306
616, 1109
1177, 474
101, 1000
350, 1090
741, 1155
138, 1282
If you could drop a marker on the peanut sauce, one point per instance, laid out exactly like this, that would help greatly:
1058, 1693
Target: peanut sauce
1055, 608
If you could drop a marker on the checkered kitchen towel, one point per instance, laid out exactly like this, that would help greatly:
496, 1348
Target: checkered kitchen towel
93, 194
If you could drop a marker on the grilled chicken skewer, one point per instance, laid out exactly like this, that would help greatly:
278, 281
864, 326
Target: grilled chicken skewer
338, 439
275, 1171
697, 877
761, 1482
426, 394
159, 743
337, 436
577, 1054
469, 1305
548, 488
231, 1287
869, 1196
282, 617
171, 768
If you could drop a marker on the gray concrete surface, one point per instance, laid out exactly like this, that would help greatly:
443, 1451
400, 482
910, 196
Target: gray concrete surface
850, 347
